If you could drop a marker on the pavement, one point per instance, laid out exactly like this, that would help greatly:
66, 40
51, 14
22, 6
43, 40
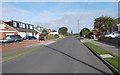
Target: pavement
5, 53
107, 46
67, 55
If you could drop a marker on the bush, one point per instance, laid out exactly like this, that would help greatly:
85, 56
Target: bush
41, 37
56, 36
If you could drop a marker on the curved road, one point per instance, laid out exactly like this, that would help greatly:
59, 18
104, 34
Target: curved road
67, 55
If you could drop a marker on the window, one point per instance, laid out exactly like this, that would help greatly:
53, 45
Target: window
20, 25
27, 26
31, 27
23, 25
14, 24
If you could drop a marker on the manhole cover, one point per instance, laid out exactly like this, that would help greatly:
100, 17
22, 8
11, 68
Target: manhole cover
106, 56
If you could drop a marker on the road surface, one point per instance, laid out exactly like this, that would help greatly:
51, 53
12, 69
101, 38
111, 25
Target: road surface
67, 55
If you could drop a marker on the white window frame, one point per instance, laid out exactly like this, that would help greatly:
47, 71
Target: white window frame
20, 25
23, 25
27, 26
31, 27
15, 24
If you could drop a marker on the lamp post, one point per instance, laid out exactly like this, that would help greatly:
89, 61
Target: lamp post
78, 26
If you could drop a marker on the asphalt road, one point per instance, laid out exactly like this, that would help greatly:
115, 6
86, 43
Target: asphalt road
67, 55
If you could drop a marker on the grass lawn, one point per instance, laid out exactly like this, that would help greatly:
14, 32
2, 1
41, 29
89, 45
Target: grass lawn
115, 60
21, 52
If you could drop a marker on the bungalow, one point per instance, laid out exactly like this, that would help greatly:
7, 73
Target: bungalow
24, 29
5, 30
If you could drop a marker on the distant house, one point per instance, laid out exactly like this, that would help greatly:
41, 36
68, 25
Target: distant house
38, 29
115, 27
54, 33
49, 30
24, 29
5, 30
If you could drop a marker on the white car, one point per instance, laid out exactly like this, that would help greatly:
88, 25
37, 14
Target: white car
115, 34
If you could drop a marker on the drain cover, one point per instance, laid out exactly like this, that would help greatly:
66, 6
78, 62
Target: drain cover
106, 56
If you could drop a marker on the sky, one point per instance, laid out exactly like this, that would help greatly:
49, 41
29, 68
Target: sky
58, 14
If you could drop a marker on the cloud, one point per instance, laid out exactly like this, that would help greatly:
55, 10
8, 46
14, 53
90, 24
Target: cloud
11, 12
54, 20
86, 19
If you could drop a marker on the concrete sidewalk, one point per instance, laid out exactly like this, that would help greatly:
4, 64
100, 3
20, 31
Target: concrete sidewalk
109, 47
5, 53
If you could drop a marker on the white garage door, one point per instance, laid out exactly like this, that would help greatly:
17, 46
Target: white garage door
22, 34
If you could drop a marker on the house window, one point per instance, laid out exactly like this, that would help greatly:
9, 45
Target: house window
27, 26
23, 25
31, 27
14, 24
20, 25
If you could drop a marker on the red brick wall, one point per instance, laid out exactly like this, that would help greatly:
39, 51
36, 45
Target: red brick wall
16, 45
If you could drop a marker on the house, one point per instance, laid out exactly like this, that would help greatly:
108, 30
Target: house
39, 30
49, 30
54, 33
115, 27
24, 29
5, 30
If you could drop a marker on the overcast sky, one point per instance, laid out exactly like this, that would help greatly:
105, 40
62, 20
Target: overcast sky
57, 14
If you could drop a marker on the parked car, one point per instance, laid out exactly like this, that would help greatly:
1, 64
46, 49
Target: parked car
11, 38
115, 34
6, 40
30, 38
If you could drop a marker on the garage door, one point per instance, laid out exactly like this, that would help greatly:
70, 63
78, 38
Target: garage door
22, 34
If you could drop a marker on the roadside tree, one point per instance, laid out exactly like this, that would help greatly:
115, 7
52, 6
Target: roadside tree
103, 23
85, 32
63, 30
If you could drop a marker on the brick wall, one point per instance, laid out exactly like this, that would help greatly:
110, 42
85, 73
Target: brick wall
15, 45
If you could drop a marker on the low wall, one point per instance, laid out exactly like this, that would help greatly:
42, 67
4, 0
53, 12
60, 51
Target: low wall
15, 45
110, 40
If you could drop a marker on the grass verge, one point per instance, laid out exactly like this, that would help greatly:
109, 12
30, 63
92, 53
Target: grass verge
21, 52
114, 61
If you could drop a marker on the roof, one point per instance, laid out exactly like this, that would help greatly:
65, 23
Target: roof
3, 23
25, 30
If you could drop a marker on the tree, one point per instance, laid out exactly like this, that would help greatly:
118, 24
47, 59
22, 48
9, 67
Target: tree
45, 32
63, 30
85, 32
103, 23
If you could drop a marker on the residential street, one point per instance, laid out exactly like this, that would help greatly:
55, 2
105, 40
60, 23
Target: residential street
67, 55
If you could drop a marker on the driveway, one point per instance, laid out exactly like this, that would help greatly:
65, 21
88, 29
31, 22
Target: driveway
67, 55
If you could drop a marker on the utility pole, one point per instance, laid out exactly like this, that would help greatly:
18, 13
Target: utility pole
78, 25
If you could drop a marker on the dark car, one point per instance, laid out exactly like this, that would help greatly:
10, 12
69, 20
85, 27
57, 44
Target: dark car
6, 40
30, 38
11, 38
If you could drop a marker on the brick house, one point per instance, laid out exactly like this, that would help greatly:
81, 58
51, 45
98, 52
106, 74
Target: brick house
5, 30
24, 29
